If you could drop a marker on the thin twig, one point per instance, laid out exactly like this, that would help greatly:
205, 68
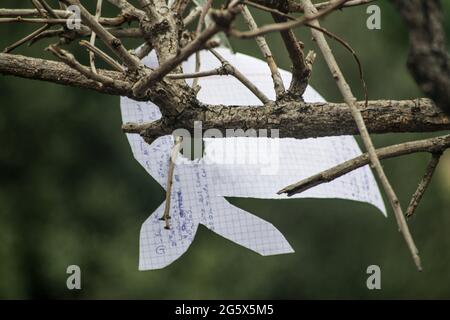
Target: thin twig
113, 43
179, 6
433, 145
215, 72
201, 22
225, 16
98, 13
348, 4
241, 77
301, 70
29, 37
350, 100
86, 32
70, 60
105, 57
297, 7
49, 9
175, 150
62, 14
39, 8
267, 9
190, 18
144, 50
128, 9
267, 53
295, 52
277, 27
423, 185
349, 48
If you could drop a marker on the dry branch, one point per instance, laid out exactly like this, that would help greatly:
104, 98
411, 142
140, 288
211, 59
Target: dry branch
424, 183
222, 19
266, 52
161, 28
349, 98
433, 145
112, 42
305, 120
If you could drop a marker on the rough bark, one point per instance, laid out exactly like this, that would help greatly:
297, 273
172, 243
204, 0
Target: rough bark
305, 120
428, 60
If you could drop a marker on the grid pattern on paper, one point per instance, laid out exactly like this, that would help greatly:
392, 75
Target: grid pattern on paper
254, 167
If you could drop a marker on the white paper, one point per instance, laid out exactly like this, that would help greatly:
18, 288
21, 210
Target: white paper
229, 168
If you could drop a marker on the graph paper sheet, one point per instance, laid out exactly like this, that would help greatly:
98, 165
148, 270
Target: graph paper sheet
238, 167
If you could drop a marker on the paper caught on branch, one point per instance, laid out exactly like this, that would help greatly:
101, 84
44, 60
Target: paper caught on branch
228, 169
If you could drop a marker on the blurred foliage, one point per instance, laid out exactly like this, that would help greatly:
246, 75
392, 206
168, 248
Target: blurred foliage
71, 193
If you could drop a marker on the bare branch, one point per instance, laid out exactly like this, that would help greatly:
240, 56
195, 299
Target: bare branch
215, 72
267, 53
423, 185
175, 150
57, 72
238, 75
70, 60
98, 13
39, 8
201, 22
49, 9
86, 32
296, 119
144, 50
356, 113
162, 29
352, 3
113, 43
194, 14
277, 27
433, 145
301, 72
293, 6
113, 63
127, 8
222, 21
63, 14
29, 37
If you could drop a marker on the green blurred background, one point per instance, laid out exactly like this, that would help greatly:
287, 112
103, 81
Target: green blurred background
71, 193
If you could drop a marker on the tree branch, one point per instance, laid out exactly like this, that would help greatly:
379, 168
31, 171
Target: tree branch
267, 53
229, 69
433, 145
301, 71
222, 21
60, 73
277, 27
113, 43
293, 6
357, 116
295, 118
306, 120
428, 60
423, 185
